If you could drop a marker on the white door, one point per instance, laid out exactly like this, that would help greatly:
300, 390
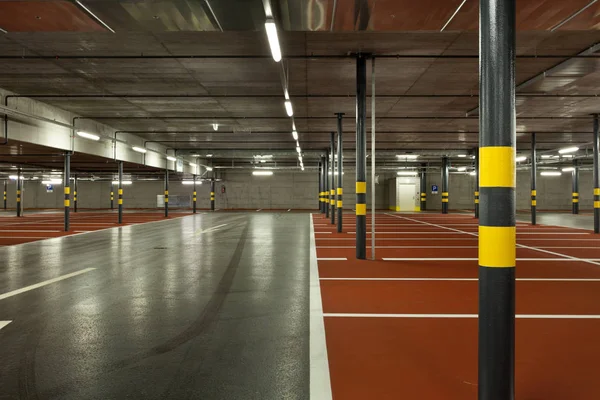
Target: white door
406, 197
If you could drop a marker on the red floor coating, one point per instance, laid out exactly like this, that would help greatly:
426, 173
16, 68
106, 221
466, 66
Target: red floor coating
32, 227
436, 358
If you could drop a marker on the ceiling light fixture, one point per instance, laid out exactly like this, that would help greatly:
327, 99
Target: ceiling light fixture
461, 169
193, 164
407, 173
550, 173
15, 177
295, 135
461, 155
215, 127
298, 149
273, 39
138, 149
86, 135
520, 158
472, 173
408, 156
187, 182
568, 169
262, 173
52, 182
171, 158
546, 156
209, 155
122, 182
288, 108
568, 150
209, 169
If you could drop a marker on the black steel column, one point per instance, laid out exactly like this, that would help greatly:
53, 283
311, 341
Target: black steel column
212, 194
423, 187
75, 194
340, 168
320, 191
497, 181
477, 182
19, 192
194, 196
112, 196
67, 188
361, 158
326, 205
5, 188
445, 185
333, 188
166, 193
120, 192
596, 176
575, 187
533, 179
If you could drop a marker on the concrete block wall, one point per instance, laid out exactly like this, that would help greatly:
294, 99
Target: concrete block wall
299, 190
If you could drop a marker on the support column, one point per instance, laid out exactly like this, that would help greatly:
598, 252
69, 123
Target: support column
596, 176
322, 186
326, 203
497, 232
5, 188
112, 196
120, 192
476, 183
75, 194
445, 185
575, 187
320, 190
533, 179
67, 188
19, 182
194, 197
361, 158
212, 194
423, 187
333, 188
166, 193
340, 169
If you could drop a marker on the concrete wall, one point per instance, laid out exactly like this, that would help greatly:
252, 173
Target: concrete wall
299, 190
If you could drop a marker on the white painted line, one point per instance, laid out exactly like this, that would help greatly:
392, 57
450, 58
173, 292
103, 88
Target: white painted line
26, 230
462, 279
519, 316
417, 233
209, 230
333, 259
44, 283
320, 383
4, 323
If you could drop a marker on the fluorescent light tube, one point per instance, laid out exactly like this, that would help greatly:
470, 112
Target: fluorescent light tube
138, 149
550, 173
408, 156
472, 173
462, 155
295, 135
209, 169
288, 108
273, 39
262, 173
171, 158
187, 182
568, 150
123, 182
520, 158
546, 156
193, 164
461, 169
406, 173
86, 135
568, 169
215, 127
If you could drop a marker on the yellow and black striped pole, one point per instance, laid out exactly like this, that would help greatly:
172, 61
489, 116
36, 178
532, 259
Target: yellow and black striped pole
423, 187
19, 193
361, 157
596, 176
533, 180
321, 185
340, 168
166, 193
5, 187
326, 197
75, 194
120, 192
112, 196
445, 185
497, 232
333, 187
476, 196
212, 194
194, 196
67, 188
575, 177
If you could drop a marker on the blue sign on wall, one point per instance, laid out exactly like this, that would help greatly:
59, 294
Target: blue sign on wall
434, 189
49, 188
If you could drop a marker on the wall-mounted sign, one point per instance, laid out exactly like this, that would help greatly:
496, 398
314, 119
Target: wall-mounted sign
434, 189
49, 188
179, 165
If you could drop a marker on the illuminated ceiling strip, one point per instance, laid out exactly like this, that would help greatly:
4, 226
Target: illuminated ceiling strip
454, 15
569, 18
94, 15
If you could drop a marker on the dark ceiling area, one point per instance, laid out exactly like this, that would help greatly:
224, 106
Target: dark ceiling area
198, 76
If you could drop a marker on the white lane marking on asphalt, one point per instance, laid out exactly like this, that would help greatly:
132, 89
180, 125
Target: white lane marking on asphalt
208, 230
4, 323
320, 383
44, 283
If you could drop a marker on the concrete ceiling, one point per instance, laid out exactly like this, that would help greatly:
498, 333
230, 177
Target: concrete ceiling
172, 69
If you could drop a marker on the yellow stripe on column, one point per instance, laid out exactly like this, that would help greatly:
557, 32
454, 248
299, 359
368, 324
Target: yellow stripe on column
340, 191
597, 204
120, 191
534, 202
497, 246
575, 200
67, 203
120, 201
497, 166
339, 204
361, 187
597, 192
67, 190
361, 209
